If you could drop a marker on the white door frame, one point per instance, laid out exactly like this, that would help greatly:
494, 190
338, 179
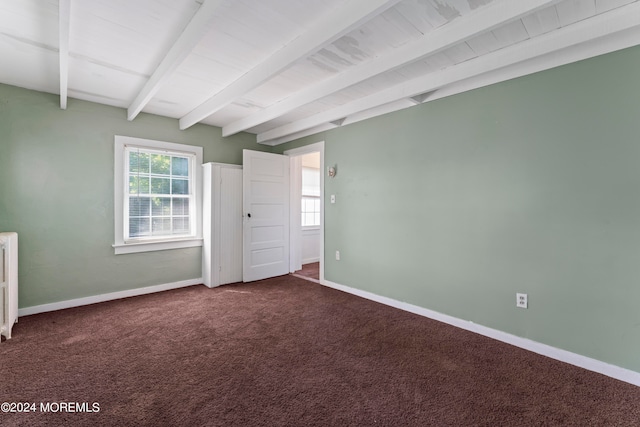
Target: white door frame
294, 181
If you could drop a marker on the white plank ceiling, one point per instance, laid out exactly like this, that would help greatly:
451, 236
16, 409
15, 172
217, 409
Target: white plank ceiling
282, 69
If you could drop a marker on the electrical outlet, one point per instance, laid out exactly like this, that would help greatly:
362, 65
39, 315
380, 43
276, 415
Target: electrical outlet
337, 255
521, 301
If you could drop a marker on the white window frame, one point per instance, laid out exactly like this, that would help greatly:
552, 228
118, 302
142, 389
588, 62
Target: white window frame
312, 196
121, 191
315, 226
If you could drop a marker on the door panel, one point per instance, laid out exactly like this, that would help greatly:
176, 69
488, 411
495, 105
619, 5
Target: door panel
266, 215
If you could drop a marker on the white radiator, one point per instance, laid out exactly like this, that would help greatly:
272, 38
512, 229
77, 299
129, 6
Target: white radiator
8, 282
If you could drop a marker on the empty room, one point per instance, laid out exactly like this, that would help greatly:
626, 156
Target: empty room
320, 212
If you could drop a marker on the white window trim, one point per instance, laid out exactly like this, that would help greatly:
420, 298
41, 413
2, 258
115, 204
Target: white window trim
120, 191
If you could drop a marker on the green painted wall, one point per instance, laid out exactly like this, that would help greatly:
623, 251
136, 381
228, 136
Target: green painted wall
56, 191
530, 185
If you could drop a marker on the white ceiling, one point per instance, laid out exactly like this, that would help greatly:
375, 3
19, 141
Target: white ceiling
283, 69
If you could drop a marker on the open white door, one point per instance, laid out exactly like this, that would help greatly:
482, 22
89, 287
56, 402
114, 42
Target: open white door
266, 215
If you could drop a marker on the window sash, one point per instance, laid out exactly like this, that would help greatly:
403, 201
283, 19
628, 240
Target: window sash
310, 211
158, 224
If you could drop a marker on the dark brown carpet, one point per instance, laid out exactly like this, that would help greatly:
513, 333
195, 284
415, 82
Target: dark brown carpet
287, 352
311, 270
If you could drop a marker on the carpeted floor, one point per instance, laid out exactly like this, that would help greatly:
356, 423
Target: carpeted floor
310, 271
288, 352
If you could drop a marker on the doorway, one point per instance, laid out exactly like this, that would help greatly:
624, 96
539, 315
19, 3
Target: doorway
307, 212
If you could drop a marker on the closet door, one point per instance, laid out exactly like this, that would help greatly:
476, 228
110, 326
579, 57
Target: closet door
230, 225
222, 224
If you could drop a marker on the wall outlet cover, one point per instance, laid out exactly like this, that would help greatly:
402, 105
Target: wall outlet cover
522, 301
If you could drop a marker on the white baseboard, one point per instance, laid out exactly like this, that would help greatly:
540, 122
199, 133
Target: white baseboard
106, 297
310, 260
575, 359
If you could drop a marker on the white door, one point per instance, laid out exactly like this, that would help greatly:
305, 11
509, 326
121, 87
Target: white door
222, 224
266, 215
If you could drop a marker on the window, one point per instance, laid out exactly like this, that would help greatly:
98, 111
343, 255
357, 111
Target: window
310, 197
157, 203
310, 211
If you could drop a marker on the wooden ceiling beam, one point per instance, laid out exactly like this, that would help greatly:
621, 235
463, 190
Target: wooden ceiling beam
419, 99
468, 26
329, 28
312, 131
181, 48
64, 18
602, 28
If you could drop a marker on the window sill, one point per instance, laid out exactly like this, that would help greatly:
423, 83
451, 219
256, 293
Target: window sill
310, 228
131, 248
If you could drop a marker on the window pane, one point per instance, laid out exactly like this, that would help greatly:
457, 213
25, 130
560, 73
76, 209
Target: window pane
134, 183
308, 220
180, 166
180, 206
139, 206
160, 226
160, 165
144, 163
138, 227
179, 186
133, 162
180, 225
138, 185
160, 185
138, 162
310, 211
161, 206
